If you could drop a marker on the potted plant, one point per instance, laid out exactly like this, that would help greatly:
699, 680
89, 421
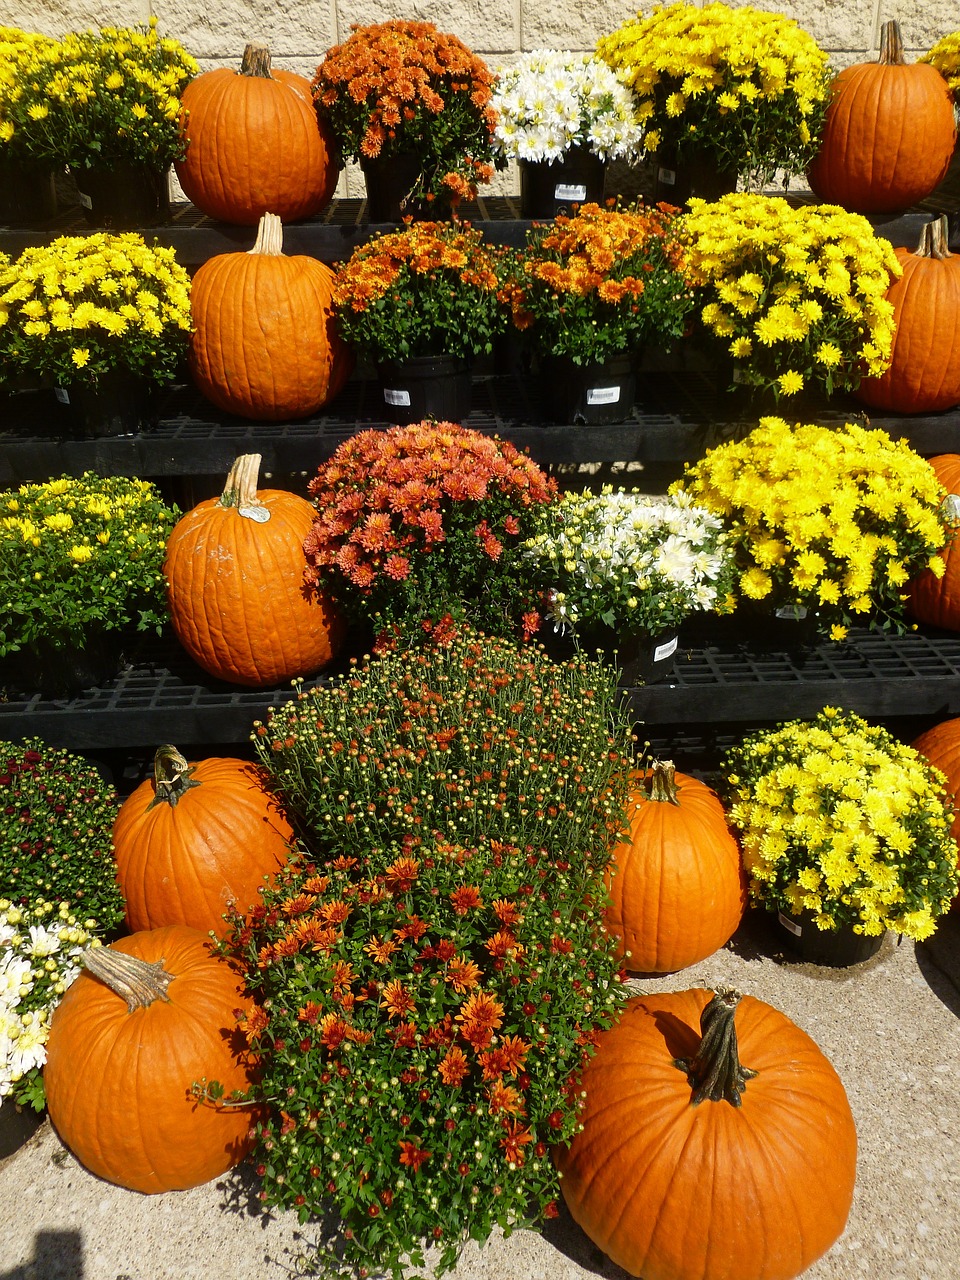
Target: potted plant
792, 299
104, 318
562, 116
29, 156
844, 830
590, 290
723, 91
828, 523
421, 303
426, 520
621, 570
412, 105
80, 567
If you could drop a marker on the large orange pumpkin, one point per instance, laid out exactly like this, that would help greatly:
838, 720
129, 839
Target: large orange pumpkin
255, 143
265, 343
933, 600
924, 371
196, 839
941, 746
234, 570
676, 884
153, 1014
889, 133
690, 1166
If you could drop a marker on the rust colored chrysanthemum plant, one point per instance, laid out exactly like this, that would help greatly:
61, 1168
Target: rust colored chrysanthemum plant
422, 521
405, 88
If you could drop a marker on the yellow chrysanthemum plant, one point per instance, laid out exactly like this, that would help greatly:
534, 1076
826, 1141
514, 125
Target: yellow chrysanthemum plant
945, 56
838, 818
747, 88
830, 521
81, 306
28, 62
795, 297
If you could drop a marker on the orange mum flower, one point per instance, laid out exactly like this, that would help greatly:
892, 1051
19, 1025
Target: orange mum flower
454, 1067
397, 1000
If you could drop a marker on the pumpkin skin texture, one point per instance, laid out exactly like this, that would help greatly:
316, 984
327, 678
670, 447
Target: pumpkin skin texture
235, 585
889, 133
924, 372
255, 144
677, 890
118, 1081
933, 600
941, 746
265, 344
669, 1190
195, 839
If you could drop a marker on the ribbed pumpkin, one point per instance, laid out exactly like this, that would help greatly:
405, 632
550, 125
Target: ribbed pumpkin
234, 570
195, 839
933, 600
889, 133
265, 343
941, 746
677, 891
153, 1013
690, 1166
255, 143
924, 372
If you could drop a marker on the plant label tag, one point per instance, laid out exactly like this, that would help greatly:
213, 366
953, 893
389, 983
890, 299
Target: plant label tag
603, 395
789, 924
738, 375
259, 514
667, 176
85, 200
62, 395
566, 191
792, 612
399, 398
664, 650
950, 507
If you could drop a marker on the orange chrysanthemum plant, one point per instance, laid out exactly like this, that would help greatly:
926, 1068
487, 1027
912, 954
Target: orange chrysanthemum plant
405, 88
423, 521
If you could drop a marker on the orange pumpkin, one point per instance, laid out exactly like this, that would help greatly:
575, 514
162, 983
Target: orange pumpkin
676, 885
933, 600
234, 570
924, 372
255, 143
196, 839
889, 133
691, 1166
941, 746
152, 1014
265, 343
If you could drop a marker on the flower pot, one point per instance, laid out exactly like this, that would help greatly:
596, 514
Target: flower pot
641, 658
548, 188
389, 181
425, 387
118, 403
18, 1124
694, 174
588, 394
838, 948
783, 628
28, 192
62, 666
124, 197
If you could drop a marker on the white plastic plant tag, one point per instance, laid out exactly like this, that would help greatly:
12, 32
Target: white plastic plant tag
259, 513
62, 395
664, 650
950, 507
667, 176
399, 398
85, 200
563, 191
603, 395
789, 924
792, 612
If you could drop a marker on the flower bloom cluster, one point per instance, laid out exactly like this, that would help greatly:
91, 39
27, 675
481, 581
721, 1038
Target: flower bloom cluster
405, 88
94, 98
82, 305
834, 519
549, 101
419, 521
629, 561
749, 87
839, 818
430, 289
80, 555
945, 56
40, 945
796, 295
601, 282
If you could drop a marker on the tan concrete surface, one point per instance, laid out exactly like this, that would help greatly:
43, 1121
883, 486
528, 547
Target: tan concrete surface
891, 1028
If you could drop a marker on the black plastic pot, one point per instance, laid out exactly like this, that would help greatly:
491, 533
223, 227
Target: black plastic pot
837, 948
425, 387
588, 394
548, 188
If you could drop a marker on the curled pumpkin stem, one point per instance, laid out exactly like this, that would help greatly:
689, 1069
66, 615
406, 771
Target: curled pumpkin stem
715, 1072
171, 776
136, 981
661, 785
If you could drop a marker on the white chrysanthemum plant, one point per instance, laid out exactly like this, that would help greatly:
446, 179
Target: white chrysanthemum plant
551, 101
635, 563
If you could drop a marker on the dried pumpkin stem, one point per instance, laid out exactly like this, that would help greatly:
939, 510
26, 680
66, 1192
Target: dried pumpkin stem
240, 489
933, 239
714, 1072
661, 785
136, 981
171, 776
891, 45
256, 60
269, 239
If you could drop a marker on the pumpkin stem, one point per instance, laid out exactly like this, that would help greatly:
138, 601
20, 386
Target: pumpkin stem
933, 239
134, 980
891, 45
269, 239
240, 489
714, 1071
661, 785
171, 776
256, 60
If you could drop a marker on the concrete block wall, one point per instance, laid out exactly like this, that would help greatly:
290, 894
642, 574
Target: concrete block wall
300, 31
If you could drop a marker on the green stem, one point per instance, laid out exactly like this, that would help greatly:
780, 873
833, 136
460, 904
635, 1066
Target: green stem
714, 1072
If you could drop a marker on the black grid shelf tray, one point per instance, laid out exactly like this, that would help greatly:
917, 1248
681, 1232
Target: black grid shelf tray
164, 697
